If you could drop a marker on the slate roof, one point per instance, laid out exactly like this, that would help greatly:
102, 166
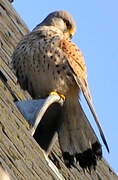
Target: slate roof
20, 155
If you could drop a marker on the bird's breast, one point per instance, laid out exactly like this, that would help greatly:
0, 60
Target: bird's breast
42, 65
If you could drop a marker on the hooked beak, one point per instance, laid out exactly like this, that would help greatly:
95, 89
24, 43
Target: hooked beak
69, 34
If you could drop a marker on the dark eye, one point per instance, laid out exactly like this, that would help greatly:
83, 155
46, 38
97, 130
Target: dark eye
68, 24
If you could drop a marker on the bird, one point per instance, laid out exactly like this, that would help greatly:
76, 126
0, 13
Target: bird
46, 61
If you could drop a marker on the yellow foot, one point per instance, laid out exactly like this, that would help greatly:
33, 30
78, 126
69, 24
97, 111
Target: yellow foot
58, 94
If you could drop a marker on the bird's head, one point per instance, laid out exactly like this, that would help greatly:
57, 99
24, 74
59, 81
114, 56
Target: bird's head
63, 21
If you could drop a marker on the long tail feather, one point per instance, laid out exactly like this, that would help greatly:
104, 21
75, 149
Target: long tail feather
89, 102
77, 139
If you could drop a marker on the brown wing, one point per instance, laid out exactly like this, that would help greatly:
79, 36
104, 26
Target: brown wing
77, 63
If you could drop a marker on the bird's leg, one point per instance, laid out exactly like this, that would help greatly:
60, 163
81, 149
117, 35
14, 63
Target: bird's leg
58, 94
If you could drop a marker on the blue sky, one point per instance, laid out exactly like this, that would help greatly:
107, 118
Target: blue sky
97, 38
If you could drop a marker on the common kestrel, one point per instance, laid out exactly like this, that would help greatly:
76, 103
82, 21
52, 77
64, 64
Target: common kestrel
47, 61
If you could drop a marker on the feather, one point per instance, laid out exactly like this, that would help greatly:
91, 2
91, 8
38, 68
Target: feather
89, 102
78, 68
77, 138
